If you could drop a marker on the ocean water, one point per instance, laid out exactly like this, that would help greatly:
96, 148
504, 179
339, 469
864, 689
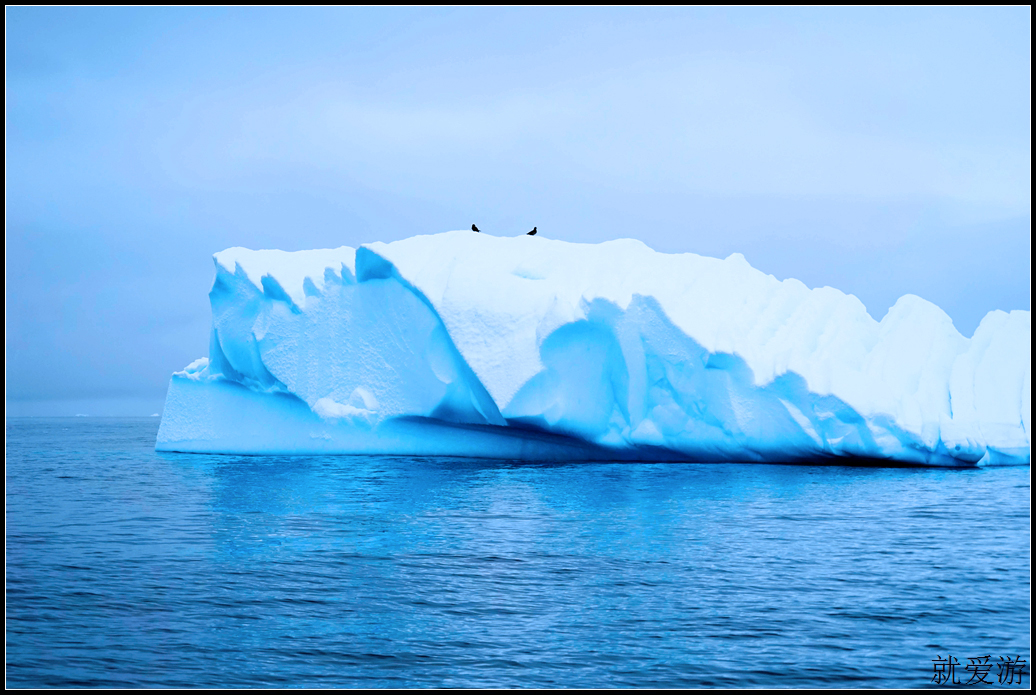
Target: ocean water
130, 568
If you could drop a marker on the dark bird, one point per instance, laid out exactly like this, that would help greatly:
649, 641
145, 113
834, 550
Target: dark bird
532, 233
474, 228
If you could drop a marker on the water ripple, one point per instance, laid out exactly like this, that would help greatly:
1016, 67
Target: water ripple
127, 568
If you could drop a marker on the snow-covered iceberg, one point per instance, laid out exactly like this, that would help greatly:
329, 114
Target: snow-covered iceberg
530, 348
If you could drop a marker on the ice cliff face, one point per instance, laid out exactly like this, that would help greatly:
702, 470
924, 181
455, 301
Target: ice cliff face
530, 348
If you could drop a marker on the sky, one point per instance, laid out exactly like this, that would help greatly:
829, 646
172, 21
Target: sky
881, 151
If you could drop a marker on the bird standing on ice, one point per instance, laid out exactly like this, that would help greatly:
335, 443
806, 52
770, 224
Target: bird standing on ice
532, 233
474, 228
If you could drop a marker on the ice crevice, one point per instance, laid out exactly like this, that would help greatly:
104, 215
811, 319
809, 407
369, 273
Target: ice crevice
536, 349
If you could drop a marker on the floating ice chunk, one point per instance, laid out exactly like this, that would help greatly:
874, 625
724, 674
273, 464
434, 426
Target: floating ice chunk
528, 347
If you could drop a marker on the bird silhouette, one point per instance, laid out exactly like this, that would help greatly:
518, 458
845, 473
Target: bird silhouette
532, 233
474, 228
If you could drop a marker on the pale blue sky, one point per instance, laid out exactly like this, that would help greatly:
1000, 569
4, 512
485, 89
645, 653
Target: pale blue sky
880, 151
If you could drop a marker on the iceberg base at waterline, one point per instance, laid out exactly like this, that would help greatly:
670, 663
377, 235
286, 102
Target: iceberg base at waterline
528, 348
241, 421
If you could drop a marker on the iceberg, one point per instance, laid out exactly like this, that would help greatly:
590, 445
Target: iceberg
530, 348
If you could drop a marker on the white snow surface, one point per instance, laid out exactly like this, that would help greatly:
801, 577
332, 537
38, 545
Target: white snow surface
528, 347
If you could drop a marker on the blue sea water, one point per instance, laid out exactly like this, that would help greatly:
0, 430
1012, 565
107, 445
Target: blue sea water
130, 568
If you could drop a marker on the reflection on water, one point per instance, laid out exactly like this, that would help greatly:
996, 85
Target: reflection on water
131, 568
